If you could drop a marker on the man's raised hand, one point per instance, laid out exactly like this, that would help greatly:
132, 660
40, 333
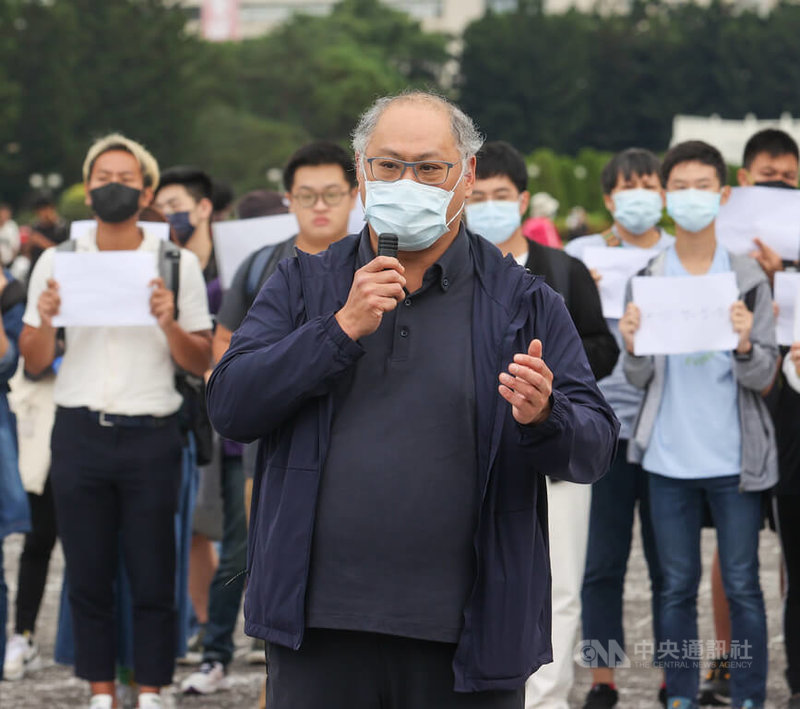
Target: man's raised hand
527, 386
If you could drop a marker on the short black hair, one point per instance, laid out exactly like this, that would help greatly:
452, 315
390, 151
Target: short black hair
260, 203
320, 152
221, 195
196, 182
772, 141
500, 159
694, 151
42, 200
630, 162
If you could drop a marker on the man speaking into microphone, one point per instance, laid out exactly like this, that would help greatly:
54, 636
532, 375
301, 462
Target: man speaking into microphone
408, 409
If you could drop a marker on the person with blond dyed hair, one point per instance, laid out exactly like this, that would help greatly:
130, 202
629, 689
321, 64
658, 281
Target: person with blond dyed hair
116, 444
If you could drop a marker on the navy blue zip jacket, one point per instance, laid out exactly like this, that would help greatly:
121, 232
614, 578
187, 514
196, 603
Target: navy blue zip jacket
275, 383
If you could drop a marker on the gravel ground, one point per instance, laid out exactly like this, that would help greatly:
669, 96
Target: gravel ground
54, 687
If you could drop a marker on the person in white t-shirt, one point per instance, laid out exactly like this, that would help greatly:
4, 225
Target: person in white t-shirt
116, 445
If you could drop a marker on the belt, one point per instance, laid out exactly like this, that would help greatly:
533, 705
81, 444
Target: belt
110, 420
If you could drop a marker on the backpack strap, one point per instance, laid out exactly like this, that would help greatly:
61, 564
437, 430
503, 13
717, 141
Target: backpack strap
559, 272
169, 268
257, 269
750, 299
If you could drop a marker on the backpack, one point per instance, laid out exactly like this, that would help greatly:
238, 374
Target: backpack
263, 264
192, 415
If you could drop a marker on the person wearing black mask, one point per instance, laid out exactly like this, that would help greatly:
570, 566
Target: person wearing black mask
116, 442
184, 197
771, 159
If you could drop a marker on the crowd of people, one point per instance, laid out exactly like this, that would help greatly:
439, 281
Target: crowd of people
416, 451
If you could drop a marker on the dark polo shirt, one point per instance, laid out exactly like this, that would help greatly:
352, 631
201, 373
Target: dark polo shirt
397, 508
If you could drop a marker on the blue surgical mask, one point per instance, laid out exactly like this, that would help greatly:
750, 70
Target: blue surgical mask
417, 213
637, 210
494, 220
693, 210
181, 226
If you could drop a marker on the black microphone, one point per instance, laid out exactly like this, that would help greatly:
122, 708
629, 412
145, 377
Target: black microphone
387, 245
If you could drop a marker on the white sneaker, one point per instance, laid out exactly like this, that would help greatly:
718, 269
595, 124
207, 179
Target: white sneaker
101, 701
208, 679
149, 701
22, 656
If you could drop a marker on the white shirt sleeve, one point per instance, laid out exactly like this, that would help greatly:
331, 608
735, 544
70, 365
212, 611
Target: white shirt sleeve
42, 271
193, 315
789, 370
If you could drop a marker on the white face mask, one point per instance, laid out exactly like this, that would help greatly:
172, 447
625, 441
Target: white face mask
495, 220
416, 213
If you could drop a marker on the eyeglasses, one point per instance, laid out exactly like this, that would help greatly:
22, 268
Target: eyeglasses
307, 198
428, 172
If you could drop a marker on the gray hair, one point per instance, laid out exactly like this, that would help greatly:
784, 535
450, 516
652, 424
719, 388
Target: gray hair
468, 138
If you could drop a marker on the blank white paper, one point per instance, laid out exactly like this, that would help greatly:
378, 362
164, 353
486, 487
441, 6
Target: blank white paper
105, 288
81, 227
235, 240
787, 285
683, 314
616, 266
767, 213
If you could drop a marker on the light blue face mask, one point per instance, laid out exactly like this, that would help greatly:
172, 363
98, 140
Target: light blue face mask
637, 210
495, 220
416, 213
693, 210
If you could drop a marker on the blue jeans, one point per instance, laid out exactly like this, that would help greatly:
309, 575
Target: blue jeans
3, 608
227, 586
677, 511
614, 499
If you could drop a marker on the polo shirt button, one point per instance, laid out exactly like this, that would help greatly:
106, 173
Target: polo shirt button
407, 302
445, 283
404, 332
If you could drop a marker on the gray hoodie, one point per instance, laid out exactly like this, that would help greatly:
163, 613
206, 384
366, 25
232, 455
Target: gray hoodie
753, 372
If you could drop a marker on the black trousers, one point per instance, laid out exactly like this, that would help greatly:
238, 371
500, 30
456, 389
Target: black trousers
339, 669
107, 481
789, 530
35, 559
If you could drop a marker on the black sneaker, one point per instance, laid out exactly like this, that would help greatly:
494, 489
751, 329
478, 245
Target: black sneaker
715, 688
601, 696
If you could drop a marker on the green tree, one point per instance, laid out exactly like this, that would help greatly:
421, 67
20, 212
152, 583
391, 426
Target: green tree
321, 72
242, 147
88, 68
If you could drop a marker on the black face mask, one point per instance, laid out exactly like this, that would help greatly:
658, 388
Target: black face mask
775, 183
114, 203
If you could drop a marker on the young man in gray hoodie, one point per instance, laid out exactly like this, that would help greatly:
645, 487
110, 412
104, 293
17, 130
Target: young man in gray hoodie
705, 436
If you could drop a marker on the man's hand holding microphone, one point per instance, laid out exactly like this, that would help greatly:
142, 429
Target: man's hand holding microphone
377, 289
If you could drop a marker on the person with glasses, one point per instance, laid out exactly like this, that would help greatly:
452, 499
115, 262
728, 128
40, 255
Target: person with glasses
407, 410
